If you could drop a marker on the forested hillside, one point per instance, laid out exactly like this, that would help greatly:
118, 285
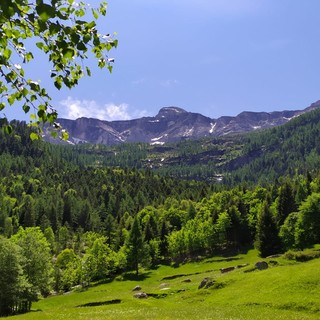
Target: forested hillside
68, 219
259, 157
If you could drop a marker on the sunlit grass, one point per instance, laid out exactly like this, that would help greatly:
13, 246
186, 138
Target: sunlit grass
286, 290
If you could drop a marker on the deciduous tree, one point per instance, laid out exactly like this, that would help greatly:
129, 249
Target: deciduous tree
66, 31
38, 265
12, 281
307, 230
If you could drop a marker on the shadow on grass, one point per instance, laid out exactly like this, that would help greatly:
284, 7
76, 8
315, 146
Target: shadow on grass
222, 260
98, 283
175, 276
99, 303
135, 277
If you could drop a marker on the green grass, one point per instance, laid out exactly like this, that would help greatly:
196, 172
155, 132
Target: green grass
286, 290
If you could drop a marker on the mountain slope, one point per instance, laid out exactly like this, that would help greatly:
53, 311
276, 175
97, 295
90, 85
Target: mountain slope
262, 155
172, 124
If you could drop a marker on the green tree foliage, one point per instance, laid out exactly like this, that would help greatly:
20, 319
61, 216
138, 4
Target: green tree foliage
267, 241
134, 245
99, 221
49, 234
14, 297
288, 231
38, 264
62, 31
285, 203
68, 271
27, 212
307, 231
100, 261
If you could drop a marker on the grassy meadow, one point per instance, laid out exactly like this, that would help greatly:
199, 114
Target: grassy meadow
286, 290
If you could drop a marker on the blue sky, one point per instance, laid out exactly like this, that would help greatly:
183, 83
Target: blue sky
214, 57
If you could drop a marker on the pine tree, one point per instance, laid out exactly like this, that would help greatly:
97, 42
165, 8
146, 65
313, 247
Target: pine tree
267, 241
135, 246
285, 203
28, 212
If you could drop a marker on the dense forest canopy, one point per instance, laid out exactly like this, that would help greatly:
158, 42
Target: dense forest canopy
91, 212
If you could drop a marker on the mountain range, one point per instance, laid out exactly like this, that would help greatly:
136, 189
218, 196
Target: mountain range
172, 124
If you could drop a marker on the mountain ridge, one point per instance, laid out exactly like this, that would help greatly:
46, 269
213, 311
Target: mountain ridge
172, 124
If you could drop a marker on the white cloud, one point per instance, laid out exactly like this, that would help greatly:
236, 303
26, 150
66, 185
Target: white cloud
169, 83
74, 108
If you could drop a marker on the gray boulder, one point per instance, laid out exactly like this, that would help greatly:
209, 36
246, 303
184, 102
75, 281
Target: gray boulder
261, 265
206, 283
140, 295
136, 288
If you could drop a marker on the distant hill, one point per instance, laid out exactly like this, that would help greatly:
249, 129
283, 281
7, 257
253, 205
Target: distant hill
171, 124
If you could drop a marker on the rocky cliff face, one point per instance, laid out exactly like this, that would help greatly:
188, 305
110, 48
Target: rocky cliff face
172, 124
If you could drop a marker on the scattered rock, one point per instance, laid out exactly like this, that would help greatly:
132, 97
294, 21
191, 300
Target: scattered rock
140, 295
163, 285
228, 269
206, 283
186, 280
261, 265
136, 288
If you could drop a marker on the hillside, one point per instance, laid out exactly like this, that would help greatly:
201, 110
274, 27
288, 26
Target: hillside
260, 156
86, 221
286, 290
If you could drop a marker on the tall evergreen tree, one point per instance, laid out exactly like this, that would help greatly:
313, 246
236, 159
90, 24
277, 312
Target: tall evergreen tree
164, 231
285, 203
267, 241
134, 245
28, 215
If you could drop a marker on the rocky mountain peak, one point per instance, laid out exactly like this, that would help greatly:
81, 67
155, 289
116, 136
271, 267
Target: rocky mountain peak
172, 124
170, 112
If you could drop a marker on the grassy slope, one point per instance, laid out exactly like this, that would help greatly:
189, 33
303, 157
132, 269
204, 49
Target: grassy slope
285, 291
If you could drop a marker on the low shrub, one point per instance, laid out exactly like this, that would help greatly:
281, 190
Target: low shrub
302, 256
